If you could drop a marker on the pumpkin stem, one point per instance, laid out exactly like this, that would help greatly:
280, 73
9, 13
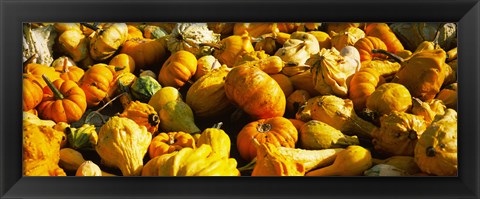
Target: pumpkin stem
216, 46
93, 27
248, 166
58, 95
171, 139
264, 127
395, 57
218, 125
65, 65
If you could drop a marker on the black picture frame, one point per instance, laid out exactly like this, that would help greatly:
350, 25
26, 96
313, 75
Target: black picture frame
14, 12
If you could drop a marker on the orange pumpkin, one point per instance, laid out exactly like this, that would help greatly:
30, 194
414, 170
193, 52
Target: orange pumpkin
32, 93
145, 52
178, 69
63, 101
383, 32
255, 92
277, 130
362, 85
366, 45
96, 83
134, 32
37, 70
165, 143
68, 72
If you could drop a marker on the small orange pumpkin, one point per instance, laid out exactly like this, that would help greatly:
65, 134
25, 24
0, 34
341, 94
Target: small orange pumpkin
366, 45
383, 32
277, 130
362, 85
145, 52
143, 114
165, 143
134, 32
32, 93
178, 69
37, 70
68, 72
96, 83
63, 101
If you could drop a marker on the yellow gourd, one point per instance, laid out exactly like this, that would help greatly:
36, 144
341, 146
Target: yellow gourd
217, 139
352, 161
123, 143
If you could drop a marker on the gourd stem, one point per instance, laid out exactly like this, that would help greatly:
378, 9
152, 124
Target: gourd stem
248, 166
347, 141
218, 125
395, 57
58, 95
30, 60
93, 27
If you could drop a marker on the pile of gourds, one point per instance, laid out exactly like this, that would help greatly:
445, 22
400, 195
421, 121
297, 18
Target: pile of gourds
240, 99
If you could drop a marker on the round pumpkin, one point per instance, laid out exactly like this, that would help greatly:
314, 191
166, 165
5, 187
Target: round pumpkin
68, 72
255, 92
277, 130
389, 97
63, 101
37, 70
145, 52
96, 83
366, 45
165, 143
32, 93
362, 85
178, 69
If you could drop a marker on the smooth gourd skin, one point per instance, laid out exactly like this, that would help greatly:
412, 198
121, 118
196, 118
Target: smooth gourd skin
255, 92
352, 161
177, 116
